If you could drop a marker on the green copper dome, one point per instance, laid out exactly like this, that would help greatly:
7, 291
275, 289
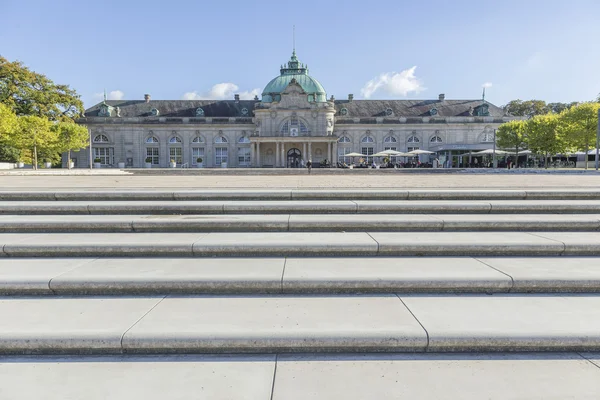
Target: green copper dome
299, 72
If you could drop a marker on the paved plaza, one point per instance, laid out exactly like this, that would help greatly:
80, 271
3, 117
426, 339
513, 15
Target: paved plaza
123, 180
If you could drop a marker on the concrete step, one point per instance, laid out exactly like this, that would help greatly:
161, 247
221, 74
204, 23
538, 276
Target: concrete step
299, 223
280, 324
495, 376
162, 276
170, 207
300, 244
302, 194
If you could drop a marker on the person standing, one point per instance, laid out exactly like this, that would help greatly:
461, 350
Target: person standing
309, 165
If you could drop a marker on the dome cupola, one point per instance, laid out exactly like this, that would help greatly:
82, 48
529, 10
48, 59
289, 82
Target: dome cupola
299, 72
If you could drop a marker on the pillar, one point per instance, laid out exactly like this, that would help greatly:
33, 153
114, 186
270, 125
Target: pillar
309, 151
277, 154
329, 158
252, 154
335, 153
304, 154
283, 159
258, 154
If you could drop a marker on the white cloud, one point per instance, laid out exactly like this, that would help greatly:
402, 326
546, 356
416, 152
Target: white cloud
394, 83
112, 95
221, 91
487, 85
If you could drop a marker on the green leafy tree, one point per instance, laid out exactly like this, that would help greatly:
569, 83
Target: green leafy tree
8, 126
544, 136
512, 135
580, 125
33, 135
71, 137
528, 108
557, 108
29, 93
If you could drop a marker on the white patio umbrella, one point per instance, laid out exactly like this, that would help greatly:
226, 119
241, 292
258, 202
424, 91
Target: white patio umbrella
419, 152
490, 151
354, 155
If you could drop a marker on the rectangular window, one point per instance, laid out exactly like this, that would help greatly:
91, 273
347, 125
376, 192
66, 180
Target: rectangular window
220, 156
392, 158
412, 148
342, 151
152, 153
244, 156
197, 152
368, 151
105, 154
175, 154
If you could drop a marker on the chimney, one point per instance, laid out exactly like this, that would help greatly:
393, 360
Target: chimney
237, 98
442, 97
147, 98
350, 98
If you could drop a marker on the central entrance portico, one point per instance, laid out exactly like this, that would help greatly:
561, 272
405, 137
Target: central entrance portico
289, 151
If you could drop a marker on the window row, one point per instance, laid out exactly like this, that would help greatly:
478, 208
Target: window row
197, 139
221, 155
391, 139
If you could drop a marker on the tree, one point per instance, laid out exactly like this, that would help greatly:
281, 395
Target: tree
71, 137
33, 135
512, 135
557, 108
580, 125
544, 136
8, 125
29, 93
528, 108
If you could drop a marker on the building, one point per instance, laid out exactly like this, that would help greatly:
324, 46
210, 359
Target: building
293, 122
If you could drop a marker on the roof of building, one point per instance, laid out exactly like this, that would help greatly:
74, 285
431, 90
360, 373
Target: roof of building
178, 108
415, 108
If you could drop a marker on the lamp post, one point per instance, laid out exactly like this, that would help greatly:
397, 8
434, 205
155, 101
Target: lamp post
494, 164
91, 160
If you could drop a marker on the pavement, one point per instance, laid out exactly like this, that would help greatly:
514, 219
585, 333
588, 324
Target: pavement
273, 287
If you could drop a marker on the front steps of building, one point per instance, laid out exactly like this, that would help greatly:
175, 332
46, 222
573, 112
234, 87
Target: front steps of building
306, 294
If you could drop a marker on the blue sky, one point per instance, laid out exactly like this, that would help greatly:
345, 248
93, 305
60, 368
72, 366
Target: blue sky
385, 49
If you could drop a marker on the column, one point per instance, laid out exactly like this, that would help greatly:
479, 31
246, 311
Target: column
335, 153
252, 154
309, 151
277, 154
329, 158
304, 155
283, 159
258, 154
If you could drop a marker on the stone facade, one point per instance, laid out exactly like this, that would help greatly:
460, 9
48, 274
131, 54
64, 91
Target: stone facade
293, 123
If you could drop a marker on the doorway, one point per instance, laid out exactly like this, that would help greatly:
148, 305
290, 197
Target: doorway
293, 158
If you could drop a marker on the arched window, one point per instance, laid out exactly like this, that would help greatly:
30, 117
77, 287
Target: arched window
198, 139
152, 150
344, 139
199, 112
413, 139
436, 139
243, 139
101, 139
367, 139
487, 137
221, 139
175, 140
390, 139
293, 127
152, 140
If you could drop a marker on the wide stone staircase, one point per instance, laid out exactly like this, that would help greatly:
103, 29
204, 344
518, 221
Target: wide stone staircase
300, 294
